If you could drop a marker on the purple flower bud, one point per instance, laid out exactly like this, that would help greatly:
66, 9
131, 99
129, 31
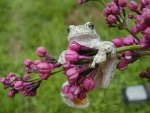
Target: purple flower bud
66, 65
148, 69
24, 92
128, 55
122, 65
122, 3
65, 89
32, 93
82, 95
117, 42
26, 77
2, 80
36, 62
27, 62
107, 11
133, 6
44, 70
130, 15
74, 46
41, 51
73, 56
11, 77
72, 74
144, 43
72, 96
81, 1
134, 30
142, 74
114, 8
147, 32
88, 84
128, 41
111, 19
11, 93
75, 89
18, 85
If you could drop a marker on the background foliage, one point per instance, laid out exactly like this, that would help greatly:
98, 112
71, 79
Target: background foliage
27, 24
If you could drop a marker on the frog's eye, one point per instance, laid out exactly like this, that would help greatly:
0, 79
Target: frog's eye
91, 25
68, 29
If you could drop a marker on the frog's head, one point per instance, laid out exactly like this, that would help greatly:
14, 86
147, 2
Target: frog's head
86, 31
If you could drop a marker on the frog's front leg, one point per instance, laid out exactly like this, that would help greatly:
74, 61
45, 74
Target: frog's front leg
104, 48
109, 47
62, 59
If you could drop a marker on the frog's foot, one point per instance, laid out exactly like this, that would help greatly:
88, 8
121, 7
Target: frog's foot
98, 58
109, 48
77, 103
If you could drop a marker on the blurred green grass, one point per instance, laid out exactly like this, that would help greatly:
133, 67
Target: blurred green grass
27, 24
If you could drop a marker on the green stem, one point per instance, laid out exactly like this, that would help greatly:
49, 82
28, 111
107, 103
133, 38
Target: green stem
38, 78
55, 72
127, 48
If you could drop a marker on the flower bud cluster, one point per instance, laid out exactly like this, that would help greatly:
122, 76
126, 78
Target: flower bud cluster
25, 85
20, 84
128, 56
42, 67
80, 76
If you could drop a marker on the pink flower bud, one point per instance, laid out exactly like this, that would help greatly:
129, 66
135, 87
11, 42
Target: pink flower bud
66, 65
82, 95
11, 93
75, 89
122, 65
117, 42
147, 32
133, 6
107, 11
122, 3
72, 96
144, 43
18, 85
81, 1
74, 46
88, 84
134, 30
72, 74
27, 62
111, 19
73, 56
36, 62
26, 77
2, 80
148, 69
65, 89
41, 51
130, 15
32, 93
114, 8
128, 55
128, 41
44, 70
